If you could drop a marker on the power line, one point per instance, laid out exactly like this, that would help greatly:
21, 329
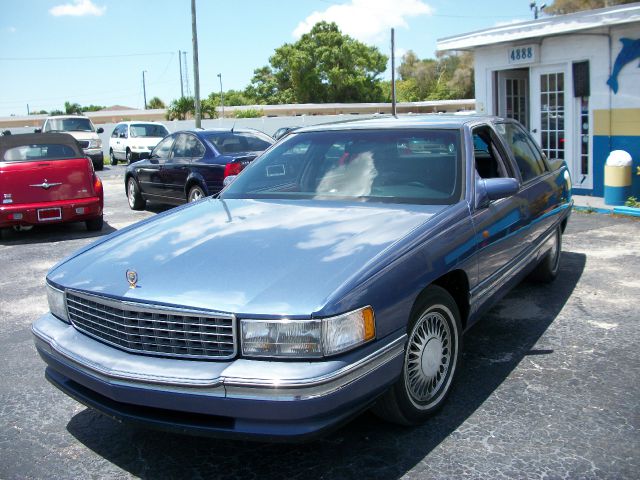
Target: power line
84, 57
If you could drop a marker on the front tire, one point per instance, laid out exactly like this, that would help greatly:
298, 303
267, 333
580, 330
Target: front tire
112, 158
430, 361
134, 197
547, 269
195, 194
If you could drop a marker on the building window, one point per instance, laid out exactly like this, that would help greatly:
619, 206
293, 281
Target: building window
552, 114
584, 135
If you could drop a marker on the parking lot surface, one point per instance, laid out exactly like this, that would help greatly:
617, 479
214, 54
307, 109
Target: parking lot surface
549, 386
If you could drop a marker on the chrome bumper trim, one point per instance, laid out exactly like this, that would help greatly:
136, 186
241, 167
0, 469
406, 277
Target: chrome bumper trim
163, 374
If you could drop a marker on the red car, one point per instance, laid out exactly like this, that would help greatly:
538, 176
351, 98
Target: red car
45, 178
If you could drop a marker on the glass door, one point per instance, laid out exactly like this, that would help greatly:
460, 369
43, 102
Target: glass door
552, 114
513, 95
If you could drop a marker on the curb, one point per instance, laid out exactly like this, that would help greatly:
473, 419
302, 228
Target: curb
629, 211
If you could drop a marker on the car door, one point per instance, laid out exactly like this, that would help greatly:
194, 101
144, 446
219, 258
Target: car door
149, 171
539, 188
501, 225
176, 170
113, 141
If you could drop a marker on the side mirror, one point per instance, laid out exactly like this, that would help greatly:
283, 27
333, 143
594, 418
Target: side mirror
37, 130
100, 130
123, 135
488, 189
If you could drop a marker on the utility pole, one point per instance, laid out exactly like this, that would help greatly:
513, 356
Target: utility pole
196, 73
181, 82
393, 73
186, 74
144, 90
221, 94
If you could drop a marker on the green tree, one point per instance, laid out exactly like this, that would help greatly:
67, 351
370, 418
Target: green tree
155, 103
560, 7
208, 108
92, 108
72, 108
323, 66
180, 108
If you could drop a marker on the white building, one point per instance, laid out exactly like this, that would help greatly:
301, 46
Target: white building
573, 80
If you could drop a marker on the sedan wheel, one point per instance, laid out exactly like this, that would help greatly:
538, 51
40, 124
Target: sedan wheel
134, 197
430, 361
195, 194
547, 270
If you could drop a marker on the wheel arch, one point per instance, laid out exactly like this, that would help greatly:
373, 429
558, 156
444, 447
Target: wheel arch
192, 180
456, 283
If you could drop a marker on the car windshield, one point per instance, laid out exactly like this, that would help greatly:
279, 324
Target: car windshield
235, 142
68, 125
41, 151
148, 130
397, 166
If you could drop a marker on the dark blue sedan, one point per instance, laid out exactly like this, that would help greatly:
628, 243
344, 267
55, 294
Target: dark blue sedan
188, 165
337, 272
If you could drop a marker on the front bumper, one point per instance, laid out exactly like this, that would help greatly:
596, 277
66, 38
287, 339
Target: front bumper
95, 154
274, 400
74, 210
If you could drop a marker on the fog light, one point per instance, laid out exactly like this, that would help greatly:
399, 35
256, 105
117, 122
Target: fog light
79, 210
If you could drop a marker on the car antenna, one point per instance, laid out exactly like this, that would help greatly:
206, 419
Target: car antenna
233, 126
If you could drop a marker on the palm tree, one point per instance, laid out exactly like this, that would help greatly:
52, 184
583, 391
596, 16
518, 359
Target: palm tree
155, 103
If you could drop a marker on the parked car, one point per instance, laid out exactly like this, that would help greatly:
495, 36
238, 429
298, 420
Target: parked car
283, 131
189, 165
131, 141
45, 178
83, 130
339, 271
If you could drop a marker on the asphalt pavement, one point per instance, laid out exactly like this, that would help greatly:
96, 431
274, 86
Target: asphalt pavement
549, 385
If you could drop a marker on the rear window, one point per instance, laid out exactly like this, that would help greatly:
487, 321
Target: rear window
235, 142
41, 151
68, 125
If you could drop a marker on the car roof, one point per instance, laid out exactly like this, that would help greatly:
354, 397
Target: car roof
11, 141
144, 122
67, 116
433, 120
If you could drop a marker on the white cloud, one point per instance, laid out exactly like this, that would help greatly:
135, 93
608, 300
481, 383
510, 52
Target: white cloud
367, 20
79, 8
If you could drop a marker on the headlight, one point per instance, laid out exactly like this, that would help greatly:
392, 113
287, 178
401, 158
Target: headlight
57, 304
95, 143
307, 338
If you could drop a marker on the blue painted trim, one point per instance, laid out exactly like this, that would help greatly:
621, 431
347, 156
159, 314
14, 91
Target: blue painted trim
632, 211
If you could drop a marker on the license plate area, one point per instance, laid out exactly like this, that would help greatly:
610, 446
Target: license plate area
49, 214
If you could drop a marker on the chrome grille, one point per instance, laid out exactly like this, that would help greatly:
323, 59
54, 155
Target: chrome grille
153, 330
83, 143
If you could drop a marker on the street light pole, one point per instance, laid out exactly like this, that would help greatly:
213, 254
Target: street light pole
196, 73
221, 94
144, 90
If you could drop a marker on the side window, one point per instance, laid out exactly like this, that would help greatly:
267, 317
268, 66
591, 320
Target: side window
163, 149
489, 163
115, 132
193, 147
180, 148
527, 157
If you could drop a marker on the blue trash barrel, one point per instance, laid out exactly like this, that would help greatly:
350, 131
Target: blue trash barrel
617, 178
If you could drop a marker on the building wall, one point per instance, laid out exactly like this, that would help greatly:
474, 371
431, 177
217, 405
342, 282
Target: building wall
614, 118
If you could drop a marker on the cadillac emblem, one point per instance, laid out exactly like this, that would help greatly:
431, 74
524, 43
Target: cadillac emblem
132, 278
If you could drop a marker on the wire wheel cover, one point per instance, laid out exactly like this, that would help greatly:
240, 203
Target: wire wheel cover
428, 356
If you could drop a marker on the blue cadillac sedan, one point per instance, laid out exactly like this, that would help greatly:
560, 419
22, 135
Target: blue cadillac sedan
336, 273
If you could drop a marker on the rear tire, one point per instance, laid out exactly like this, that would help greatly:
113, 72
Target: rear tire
95, 224
112, 158
129, 156
547, 269
99, 164
195, 194
430, 361
134, 197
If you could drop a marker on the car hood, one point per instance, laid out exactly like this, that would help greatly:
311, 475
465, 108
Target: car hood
244, 256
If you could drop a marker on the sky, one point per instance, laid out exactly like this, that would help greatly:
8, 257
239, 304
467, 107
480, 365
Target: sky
95, 51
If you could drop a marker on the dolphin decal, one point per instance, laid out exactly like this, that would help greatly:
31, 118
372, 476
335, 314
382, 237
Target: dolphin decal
630, 51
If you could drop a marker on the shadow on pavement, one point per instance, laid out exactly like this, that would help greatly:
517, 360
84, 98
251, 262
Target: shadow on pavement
51, 233
366, 447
